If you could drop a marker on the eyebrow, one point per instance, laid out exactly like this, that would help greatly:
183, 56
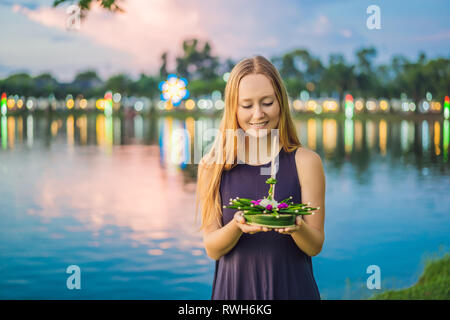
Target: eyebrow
248, 99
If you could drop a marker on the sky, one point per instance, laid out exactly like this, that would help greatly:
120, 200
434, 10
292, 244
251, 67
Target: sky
34, 37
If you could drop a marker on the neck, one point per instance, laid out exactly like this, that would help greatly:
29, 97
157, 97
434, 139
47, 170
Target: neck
260, 150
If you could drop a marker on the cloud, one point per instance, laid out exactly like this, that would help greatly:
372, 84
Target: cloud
148, 28
319, 26
322, 25
346, 33
5, 70
30, 4
134, 41
440, 36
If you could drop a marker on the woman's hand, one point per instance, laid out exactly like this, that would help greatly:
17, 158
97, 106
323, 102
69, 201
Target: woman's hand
244, 226
290, 230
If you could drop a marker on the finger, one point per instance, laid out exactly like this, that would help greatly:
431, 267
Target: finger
248, 229
256, 229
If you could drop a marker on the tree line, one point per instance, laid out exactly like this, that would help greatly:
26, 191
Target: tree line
299, 69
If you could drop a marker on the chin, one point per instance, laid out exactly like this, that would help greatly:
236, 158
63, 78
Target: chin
258, 133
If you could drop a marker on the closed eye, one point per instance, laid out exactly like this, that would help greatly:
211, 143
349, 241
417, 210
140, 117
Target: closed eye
264, 104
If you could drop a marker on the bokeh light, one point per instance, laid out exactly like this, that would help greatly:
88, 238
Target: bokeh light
174, 89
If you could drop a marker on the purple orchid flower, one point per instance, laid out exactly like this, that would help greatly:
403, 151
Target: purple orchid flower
269, 207
283, 205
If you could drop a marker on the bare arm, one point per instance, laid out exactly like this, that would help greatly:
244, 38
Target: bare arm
310, 236
218, 241
308, 233
309, 239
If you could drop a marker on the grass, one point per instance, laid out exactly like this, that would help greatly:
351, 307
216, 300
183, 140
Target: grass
433, 284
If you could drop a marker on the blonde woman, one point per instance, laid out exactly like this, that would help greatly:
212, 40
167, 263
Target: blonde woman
254, 262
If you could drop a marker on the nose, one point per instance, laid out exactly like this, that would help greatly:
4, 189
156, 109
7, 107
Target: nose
258, 112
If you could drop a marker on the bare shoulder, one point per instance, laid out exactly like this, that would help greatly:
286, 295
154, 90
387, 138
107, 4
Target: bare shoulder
309, 165
305, 158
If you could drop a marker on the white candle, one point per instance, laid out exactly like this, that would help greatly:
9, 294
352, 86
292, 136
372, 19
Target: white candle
273, 173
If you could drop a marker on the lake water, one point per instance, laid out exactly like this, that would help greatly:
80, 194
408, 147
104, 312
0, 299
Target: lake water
112, 196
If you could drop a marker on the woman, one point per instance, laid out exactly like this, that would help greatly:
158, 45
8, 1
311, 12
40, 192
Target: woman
254, 262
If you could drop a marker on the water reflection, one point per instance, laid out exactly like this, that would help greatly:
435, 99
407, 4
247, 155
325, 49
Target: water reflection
446, 139
106, 192
130, 181
179, 138
348, 136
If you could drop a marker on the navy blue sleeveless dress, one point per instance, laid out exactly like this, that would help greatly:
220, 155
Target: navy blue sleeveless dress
264, 265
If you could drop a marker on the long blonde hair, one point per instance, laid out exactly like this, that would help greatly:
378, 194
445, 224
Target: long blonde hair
210, 172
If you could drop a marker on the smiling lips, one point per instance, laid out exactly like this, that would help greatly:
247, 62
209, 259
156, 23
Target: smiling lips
260, 124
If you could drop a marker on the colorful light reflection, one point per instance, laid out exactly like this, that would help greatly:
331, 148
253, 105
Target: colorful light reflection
174, 89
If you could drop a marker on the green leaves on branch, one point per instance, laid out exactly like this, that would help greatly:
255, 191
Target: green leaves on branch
250, 207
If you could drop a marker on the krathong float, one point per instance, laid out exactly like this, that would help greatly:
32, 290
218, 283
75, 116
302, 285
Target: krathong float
267, 212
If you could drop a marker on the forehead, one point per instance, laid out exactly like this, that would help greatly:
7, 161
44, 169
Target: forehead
255, 87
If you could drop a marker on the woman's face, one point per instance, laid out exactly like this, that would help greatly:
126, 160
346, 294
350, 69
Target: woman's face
258, 107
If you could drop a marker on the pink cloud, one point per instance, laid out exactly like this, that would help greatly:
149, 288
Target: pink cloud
440, 36
346, 33
144, 31
320, 26
120, 191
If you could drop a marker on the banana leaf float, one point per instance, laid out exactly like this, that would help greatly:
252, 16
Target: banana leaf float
267, 212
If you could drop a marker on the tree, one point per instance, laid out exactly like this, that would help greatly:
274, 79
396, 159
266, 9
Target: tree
227, 66
163, 69
414, 79
147, 86
86, 83
45, 84
365, 77
86, 80
197, 63
298, 67
384, 81
119, 83
85, 5
292, 76
437, 73
19, 83
338, 77
365, 57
